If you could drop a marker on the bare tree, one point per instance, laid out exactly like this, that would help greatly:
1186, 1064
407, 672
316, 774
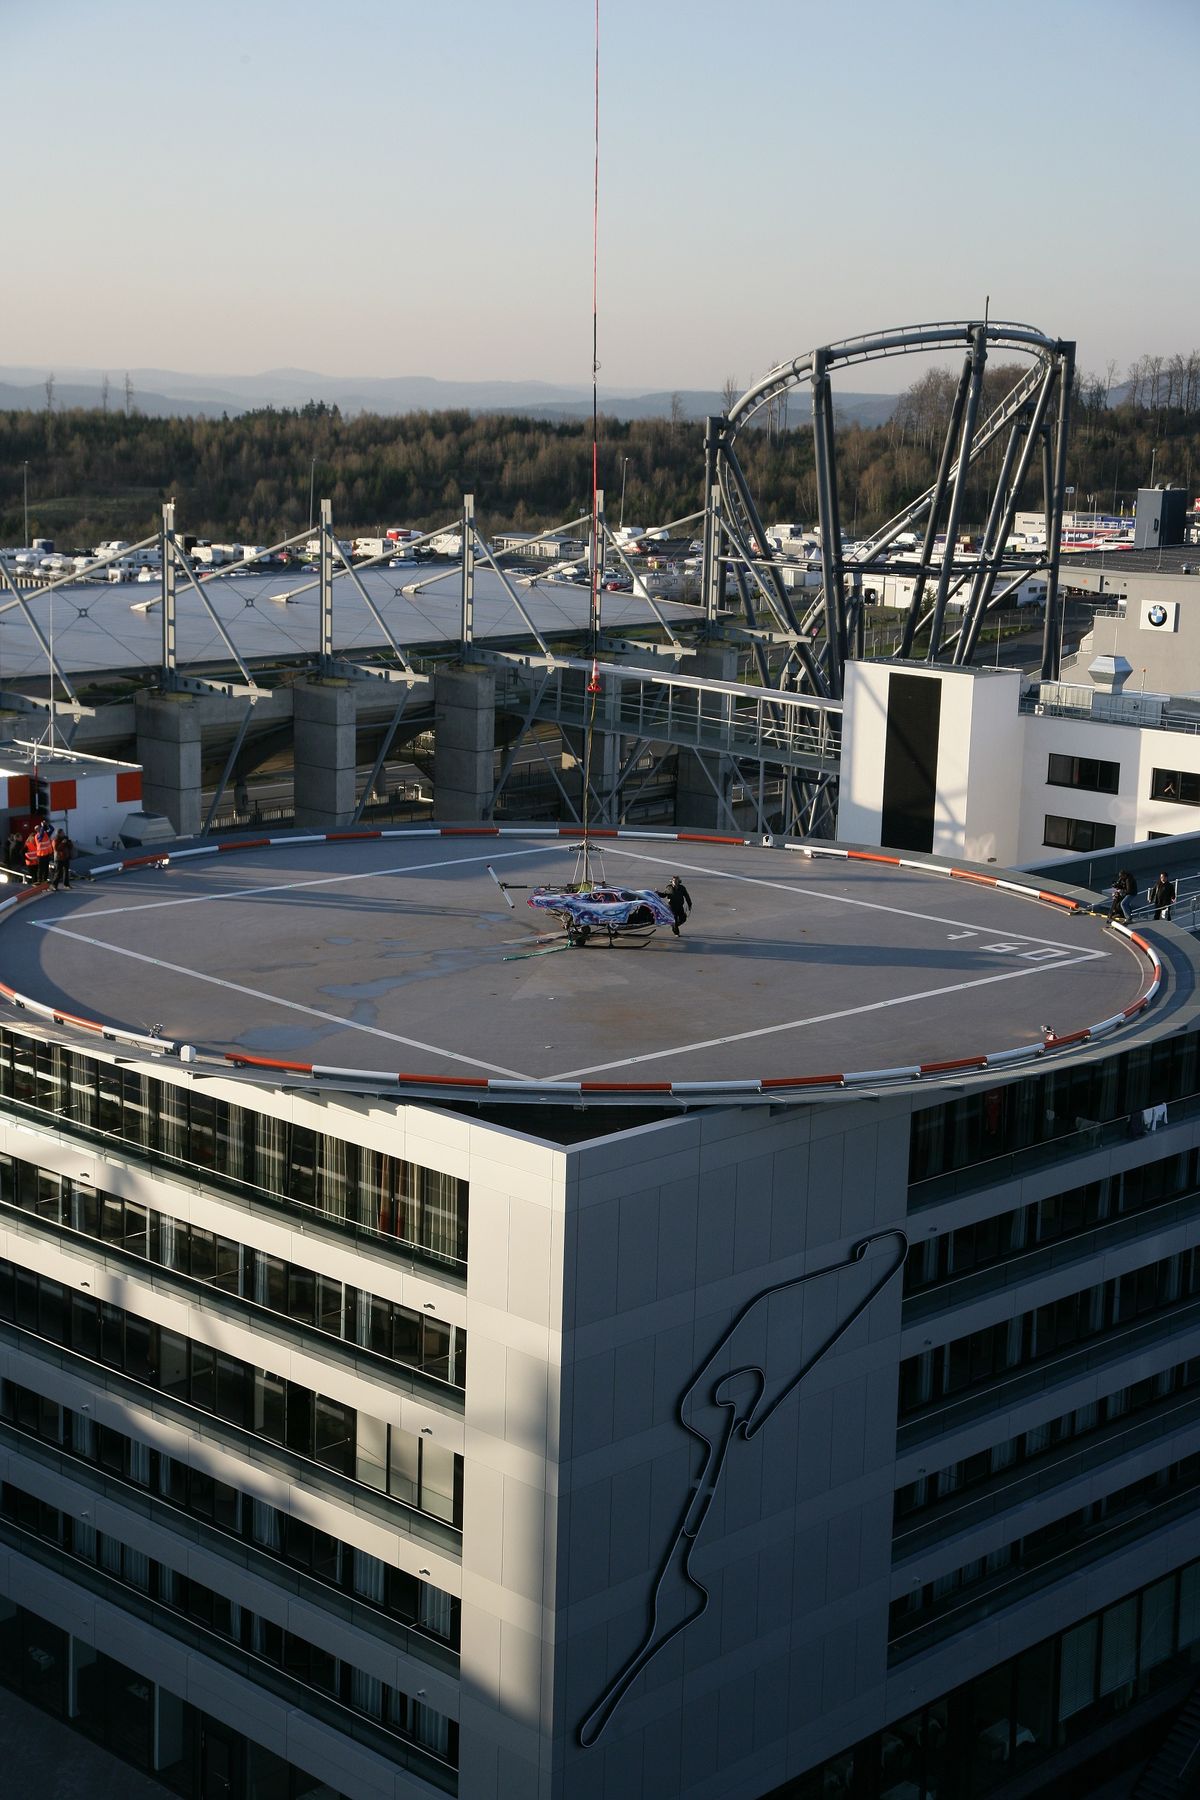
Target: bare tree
1110, 370
729, 392
128, 393
1176, 379
49, 386
677, 412
1154, 370
104, 393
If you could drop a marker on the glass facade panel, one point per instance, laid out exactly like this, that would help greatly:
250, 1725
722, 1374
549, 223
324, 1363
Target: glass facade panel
348, 1186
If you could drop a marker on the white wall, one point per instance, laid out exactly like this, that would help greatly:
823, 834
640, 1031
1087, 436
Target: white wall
1130, 810
976, 806
671, 1232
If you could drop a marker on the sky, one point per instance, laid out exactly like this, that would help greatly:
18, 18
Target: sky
383, 188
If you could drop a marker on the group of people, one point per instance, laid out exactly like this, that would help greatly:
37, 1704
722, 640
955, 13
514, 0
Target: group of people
44, 855
1161, 896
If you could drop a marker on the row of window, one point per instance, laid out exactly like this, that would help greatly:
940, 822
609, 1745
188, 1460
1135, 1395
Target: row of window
195, 1756
942, 1259
976, 1738
996, 1570
1180, 786
1093, 775
400, 1463
1084, 835
928, 1490
1088, 772
275, 1534
991, 1123
350, 1186
302, 1661
997, 1350
398, 1332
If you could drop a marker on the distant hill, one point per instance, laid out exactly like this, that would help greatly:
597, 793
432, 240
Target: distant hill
168, 393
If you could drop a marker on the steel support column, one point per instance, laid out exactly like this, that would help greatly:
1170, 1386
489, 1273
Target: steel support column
1033, 437
935, 509
822, 408
1051, 636
958, 492
325, 579
711, 578
466, 620
168, 589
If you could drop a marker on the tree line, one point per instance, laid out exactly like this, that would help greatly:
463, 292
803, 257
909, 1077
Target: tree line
95, 474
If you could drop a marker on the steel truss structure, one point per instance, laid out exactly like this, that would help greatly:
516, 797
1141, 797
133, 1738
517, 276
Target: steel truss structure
1031, 421
781, 734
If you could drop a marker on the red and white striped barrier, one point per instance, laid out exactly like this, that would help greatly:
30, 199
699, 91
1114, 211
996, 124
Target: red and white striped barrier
776, 1087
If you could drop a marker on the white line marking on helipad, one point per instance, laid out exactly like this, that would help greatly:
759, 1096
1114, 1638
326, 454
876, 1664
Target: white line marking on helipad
291, 887
312, 1012
739, 1037
901, 912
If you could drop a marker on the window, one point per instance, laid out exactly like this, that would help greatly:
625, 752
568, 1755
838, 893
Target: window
1083, 772
1077, 834
349, 1186
1177, 785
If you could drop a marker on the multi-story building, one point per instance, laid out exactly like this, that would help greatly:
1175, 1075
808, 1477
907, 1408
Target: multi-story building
762, 1361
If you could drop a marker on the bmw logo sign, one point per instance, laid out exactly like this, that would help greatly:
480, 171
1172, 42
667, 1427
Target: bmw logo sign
1157, 614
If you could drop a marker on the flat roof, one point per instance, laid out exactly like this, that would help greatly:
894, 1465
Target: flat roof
395, 957
100, 627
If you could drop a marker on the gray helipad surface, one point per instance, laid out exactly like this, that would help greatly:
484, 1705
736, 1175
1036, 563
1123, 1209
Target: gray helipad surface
399, 955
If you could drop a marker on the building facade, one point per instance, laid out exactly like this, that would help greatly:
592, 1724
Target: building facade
359, 1448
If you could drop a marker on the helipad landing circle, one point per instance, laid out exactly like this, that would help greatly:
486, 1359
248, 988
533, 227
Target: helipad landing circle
413, 958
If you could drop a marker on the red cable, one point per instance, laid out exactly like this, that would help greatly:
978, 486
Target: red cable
596, 552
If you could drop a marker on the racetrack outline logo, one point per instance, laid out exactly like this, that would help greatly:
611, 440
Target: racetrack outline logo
721, 1406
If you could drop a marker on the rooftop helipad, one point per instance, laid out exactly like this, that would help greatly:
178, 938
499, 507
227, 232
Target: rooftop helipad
396, 956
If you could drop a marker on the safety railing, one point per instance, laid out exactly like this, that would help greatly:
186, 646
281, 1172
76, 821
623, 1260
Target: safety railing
724, 718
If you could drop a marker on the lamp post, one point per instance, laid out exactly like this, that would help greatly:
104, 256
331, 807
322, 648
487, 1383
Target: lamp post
312, 483
624, 467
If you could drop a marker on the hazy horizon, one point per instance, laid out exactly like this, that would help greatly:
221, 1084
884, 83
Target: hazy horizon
412, 196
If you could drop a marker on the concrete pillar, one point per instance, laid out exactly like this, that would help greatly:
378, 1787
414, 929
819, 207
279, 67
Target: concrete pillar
325, 752
169, 733
464, 743
696, 804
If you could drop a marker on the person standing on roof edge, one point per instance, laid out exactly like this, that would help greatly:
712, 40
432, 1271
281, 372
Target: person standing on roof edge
679, 901
1124, 894
39, 850
1162, 896
64, 851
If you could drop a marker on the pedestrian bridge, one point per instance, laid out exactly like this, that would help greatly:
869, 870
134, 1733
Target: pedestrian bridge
796, 732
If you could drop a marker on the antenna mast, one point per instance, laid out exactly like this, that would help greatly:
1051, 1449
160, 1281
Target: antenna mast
597, 556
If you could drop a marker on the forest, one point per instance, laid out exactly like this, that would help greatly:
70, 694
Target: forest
95, 474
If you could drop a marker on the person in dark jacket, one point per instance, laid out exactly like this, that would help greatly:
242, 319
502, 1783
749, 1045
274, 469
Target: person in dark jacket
679, 901
1123, 895
64, 851
1162, 896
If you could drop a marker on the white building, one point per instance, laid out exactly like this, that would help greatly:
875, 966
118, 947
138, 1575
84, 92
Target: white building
1014, 770
360, 1444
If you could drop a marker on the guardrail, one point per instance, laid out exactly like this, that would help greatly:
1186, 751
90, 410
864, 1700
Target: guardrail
723, 718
